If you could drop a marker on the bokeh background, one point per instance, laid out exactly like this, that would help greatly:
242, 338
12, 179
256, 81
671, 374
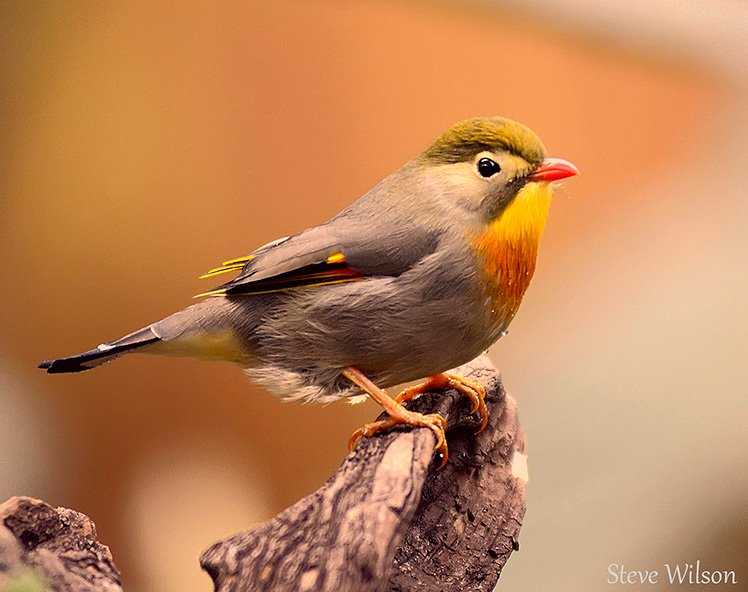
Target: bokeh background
144, 142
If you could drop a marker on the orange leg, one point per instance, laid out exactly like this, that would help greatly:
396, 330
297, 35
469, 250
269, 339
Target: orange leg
472, 390
398, 415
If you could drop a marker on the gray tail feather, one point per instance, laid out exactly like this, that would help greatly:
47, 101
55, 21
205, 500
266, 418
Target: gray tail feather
101, 354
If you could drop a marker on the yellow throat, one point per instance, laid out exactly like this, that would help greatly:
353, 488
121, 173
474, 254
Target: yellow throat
508, 248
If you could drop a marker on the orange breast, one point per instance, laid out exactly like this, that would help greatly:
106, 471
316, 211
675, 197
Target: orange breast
508, 248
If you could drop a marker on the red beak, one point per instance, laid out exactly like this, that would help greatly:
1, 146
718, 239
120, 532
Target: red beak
554, 169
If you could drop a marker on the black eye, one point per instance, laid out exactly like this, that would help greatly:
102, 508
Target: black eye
488, 167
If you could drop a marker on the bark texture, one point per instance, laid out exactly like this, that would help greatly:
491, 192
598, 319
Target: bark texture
46, 548
390, 519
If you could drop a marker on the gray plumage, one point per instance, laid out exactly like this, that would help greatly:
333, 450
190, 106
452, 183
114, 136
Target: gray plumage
411, 299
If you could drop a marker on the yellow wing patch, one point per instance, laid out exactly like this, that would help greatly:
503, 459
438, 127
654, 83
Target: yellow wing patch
241, 260
331, 270
227, 266
220, 292
335, 258
236, 264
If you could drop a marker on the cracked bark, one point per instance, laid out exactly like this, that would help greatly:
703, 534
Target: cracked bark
390, 519
46, 548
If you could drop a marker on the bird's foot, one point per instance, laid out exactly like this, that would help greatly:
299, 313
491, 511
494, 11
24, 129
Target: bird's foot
398, 415
474, 391
435, 422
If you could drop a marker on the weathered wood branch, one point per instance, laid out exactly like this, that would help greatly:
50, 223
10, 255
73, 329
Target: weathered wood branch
390, 519
46, 548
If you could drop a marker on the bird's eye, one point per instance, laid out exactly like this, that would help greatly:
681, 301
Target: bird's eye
488, 168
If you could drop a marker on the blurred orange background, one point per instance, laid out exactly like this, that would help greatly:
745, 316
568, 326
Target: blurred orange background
143, 143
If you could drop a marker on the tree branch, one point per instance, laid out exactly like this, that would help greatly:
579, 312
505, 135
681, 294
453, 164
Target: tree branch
46, 548
389, 519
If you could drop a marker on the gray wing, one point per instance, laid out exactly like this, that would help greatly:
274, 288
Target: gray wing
343, 250
384, 233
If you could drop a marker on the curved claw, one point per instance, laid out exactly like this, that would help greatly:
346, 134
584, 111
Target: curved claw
434, 421
440, 447
433, 383
355, 437
474, 391
370, 429
473, 395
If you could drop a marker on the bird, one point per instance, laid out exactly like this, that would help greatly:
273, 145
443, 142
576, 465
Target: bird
444, 247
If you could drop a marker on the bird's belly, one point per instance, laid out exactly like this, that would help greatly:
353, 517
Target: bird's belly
392, 332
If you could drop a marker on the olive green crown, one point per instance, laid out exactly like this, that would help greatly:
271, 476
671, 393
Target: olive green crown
467, 138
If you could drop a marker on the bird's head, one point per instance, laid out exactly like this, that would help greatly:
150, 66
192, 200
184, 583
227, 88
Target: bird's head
496, 171
487, 162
